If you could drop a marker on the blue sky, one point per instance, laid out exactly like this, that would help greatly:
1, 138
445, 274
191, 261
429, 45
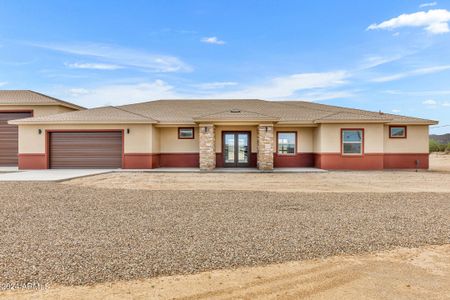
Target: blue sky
378, 55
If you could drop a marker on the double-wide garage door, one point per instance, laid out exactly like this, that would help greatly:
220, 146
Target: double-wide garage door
9, 138
85, 150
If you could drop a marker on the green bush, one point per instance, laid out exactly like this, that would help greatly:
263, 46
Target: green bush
434, 146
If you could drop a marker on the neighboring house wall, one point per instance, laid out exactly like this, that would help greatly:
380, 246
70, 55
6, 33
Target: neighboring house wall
38, 110
137, 143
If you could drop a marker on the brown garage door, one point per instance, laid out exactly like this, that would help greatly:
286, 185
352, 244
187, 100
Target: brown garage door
85, 150
9, 137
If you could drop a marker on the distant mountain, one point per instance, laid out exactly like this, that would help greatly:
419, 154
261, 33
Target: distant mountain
441, 138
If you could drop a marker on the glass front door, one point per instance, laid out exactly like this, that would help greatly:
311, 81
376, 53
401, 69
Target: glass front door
236, 149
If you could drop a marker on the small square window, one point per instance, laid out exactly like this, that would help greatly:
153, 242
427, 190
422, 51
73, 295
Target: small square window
397, 132
186, 133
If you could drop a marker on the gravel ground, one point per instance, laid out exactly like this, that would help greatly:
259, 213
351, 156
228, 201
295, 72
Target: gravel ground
55, 233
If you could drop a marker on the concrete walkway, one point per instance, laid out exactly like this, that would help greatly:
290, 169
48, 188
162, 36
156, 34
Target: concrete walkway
12, 174
48, 175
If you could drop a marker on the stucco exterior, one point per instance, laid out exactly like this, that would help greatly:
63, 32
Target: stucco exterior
150, 139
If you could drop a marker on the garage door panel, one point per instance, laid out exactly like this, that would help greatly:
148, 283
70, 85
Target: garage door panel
85, 150
9, 146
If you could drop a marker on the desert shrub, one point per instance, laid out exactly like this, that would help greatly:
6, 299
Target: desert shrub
447, 150
434, 146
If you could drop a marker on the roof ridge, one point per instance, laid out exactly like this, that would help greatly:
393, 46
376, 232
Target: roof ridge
55, 99
227, 110
150, 118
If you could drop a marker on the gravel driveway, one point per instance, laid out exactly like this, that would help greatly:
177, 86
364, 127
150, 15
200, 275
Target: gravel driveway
56, 233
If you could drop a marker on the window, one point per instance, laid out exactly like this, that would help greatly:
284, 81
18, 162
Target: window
397, 132
186, 133
352, 141
287, 142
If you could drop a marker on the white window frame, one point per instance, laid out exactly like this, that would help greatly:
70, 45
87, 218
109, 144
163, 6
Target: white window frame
343, 142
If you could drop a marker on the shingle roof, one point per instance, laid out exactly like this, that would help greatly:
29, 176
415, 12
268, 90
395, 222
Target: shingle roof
105, 115
27, 97
191, 111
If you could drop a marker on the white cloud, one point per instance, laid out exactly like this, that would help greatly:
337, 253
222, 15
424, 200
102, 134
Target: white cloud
446, 104
429, 4
215, 85
434, 21
3, 83
121, 56
93, 66
396, 111
287, 86
430, 102
416, 72
374, 61
118, 94
212, 40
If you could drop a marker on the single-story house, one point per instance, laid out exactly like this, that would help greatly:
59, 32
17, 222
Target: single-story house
207, 134
23, 104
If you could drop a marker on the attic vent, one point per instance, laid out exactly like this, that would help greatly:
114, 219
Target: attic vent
235, 111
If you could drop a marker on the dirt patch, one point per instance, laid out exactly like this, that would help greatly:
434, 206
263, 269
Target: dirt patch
440, 162
420, 273
437, 180
377, 181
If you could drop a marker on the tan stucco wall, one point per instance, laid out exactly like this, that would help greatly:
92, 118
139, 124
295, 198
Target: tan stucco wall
156, 136
38, 110
139, 140
169, 142
305, 138
253, 137
417, 140
329, 137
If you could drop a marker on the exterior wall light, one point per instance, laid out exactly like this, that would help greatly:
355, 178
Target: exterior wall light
39, 131
128, 130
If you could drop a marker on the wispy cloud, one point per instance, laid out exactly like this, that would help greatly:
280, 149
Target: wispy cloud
212, 40
117, 94
121, 56
93, 66
418, 93
3, 83
396, 111
374, 61
215, 85
430, 102
416, 72
434, 21
287, 86
429, 4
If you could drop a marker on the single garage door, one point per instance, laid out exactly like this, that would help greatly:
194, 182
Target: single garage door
85, 150
9, 138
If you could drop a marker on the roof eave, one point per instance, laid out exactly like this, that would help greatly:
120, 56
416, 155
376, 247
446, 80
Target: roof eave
20, 122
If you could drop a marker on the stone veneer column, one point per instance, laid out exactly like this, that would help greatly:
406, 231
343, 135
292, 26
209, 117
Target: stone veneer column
207, 139
265, 147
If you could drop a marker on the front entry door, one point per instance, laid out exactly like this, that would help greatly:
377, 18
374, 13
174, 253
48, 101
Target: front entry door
236, 149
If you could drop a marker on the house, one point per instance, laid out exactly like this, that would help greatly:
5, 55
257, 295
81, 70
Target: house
23, 104
208, 134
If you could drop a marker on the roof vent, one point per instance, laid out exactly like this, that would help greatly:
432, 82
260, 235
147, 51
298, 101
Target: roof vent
235, 111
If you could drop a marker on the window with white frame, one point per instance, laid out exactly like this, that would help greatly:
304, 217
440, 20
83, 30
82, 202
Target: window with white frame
287, 142
352, 141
